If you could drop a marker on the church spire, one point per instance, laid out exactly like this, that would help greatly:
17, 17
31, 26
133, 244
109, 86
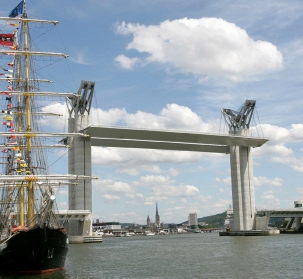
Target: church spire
157, 216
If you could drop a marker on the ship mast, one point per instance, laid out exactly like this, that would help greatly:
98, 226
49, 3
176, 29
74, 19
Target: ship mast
20, 185
25, 89
27, 175
30, 210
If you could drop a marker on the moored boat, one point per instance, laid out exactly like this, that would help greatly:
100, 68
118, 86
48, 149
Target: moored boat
149, 233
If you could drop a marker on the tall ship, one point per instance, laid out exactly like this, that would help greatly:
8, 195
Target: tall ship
32, 238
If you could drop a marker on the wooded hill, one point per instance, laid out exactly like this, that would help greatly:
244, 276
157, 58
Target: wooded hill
214, 221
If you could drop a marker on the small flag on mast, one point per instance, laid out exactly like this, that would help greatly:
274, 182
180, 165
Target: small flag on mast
13, 24
11, 63
16, 11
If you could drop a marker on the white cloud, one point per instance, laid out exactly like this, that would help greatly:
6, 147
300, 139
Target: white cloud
131, 161
279, 139
258, 181
149, 202
98, 116
273, 149
173, 172
130, 213
269, 200
281, 135
205, 46
296, 164
205, 198
173, 117
109, 185
268, 195
126, 62
107, 117
163, 187
127, 169
135, 195
55, 122
220, 205
80, 58
261, 180
111, 197
225, 180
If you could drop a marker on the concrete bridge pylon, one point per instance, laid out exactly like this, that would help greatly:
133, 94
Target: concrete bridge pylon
79, 159
242, 178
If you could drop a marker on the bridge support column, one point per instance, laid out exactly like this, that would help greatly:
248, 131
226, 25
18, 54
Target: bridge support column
79, 155
298, 223
237, 223
79, 158
243, 192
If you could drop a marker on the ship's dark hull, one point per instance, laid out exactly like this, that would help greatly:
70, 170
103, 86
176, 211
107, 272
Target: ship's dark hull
34, 251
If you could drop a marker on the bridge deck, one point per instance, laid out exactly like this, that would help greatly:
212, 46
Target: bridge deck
167, 140
291, 212
72, 214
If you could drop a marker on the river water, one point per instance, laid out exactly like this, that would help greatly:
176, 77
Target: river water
205, 255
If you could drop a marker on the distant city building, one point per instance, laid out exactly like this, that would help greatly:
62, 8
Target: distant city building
148, 221
157, 222
107, 225
192, 219
113, 227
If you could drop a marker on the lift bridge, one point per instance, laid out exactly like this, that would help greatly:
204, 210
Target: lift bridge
237, 144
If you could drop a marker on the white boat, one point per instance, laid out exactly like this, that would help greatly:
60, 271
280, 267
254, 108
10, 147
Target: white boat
149, 233
164, 232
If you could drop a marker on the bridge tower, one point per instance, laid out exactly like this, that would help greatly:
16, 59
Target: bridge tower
79, 158
242, 179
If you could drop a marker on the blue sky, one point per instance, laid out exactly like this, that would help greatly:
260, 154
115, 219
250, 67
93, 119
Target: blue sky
174, 65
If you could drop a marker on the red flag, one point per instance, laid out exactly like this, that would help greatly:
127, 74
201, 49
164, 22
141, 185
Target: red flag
8, 124
7, 39
11, 53
6, 93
